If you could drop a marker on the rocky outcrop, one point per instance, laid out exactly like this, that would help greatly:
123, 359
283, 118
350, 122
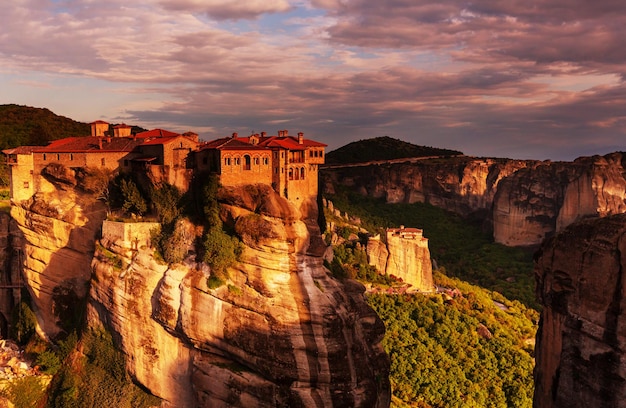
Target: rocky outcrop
580, 358
463, 185
55, 239
525, 201
281, 332
535, 202
405, 255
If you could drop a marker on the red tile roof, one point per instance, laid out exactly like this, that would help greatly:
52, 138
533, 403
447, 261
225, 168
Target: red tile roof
240, 143
98, 122
156, 133
91, 144
165, 140
22, 150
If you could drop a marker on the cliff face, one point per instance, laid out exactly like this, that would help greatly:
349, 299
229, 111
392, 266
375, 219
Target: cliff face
462, 185
282, 332
582, 332
55, 238
537, 201
526, 200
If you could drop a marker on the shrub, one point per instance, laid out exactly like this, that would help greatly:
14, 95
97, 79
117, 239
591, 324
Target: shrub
133, 201
220, 250
166, 202
49, 362
24, 392
24, 323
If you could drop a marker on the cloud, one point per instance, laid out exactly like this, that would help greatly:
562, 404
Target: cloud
514, 78
228, 9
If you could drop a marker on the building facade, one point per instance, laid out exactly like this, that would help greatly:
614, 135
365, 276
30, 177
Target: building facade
288, 164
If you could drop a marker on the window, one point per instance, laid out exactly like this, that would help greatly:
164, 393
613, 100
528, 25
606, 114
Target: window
102, 161
26, 184
71, 156
58, 156
265, 161
275, 170
302, 173
256, 161
290, 174
44, 156
237, 161
246, 162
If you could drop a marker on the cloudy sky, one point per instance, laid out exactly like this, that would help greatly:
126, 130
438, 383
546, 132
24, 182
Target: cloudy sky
540, 79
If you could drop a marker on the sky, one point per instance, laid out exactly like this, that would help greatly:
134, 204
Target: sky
532, 79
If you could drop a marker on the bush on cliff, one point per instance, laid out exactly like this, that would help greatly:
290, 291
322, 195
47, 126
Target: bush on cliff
97, 378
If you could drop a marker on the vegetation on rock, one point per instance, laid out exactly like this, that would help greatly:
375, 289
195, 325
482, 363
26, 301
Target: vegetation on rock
458, 352
383, 148
464, 346
467, 251
96, 377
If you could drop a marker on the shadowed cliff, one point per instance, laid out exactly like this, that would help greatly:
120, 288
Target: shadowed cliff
580, 359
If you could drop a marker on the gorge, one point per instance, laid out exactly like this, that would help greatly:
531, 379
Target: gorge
522, 201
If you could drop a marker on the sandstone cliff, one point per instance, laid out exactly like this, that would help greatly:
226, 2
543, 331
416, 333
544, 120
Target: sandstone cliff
282, 332
463, 185
405, 255
526, 201
540, 200
580, 359
55, 239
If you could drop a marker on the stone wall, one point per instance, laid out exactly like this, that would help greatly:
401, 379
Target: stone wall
131, 235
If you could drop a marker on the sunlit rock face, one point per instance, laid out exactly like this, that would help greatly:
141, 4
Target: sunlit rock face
281, 333
405, 255
55, 238
538, 201
580, 358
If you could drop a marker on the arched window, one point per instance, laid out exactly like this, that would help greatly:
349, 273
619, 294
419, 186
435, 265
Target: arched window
302, 173
256, 161
290, 174
246, 162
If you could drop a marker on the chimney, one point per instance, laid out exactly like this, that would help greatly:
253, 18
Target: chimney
100, 143
234, 135
300, 137
108, 140
285, 133
280, 133
263, 134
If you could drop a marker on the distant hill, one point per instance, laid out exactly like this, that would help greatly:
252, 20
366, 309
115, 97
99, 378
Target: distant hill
382, 148
25, 125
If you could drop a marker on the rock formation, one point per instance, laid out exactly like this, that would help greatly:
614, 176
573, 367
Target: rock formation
404, 255
463, 185
281, 332
535, 202
56, 238
526, 201
580, 358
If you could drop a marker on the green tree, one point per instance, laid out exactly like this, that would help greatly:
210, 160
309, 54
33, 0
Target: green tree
166, 201
133, 201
